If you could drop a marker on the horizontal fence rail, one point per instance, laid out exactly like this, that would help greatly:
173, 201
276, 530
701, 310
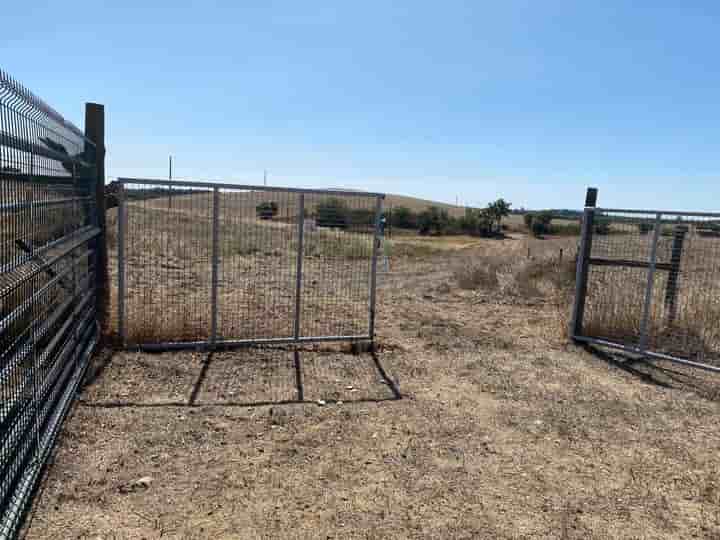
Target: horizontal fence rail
48, 236
649, 283
209, 265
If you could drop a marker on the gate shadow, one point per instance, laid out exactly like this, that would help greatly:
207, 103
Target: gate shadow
248, 377
661, 373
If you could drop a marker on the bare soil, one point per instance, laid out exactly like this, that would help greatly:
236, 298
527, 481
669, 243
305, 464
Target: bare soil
475, 419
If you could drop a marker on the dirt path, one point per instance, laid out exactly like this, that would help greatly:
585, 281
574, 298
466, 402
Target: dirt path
503, 431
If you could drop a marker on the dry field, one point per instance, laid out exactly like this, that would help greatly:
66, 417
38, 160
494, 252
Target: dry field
475, 419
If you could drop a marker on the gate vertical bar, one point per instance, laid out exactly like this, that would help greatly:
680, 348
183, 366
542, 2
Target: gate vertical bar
122, 327
649, 287
299, 263
373, 268
583, 263
215, 265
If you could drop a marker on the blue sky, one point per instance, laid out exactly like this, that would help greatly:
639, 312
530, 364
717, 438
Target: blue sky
528, 100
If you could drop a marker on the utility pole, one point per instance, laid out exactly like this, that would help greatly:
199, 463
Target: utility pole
170, 179
265, 177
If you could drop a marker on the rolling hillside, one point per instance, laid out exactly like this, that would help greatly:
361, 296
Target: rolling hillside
418, 205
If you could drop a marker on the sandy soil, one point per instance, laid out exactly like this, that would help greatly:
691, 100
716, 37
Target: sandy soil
475, 419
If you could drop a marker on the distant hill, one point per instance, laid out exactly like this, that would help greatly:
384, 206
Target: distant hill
418, 205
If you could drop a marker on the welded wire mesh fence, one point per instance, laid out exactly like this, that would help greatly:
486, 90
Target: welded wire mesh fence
202, 264
47, 284
649, 282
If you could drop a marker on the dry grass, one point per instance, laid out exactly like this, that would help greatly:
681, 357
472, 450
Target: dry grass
504, 431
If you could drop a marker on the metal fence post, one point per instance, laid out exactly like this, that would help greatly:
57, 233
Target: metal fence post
647, 306
672, 282
215, 266
299, 264
373, 268
122, 328
583, 263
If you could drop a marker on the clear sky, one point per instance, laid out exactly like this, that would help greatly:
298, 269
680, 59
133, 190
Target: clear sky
529, 100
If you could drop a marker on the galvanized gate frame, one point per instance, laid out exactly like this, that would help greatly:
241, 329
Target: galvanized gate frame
585, 260
214, 342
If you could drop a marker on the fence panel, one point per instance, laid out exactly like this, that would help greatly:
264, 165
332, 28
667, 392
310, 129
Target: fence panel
205, 264
48, 293
653, 284
258, 255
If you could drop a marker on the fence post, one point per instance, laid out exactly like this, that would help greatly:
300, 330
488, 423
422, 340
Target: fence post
95, 132
122, 328
215, 266
299, 263
373, 264
672, 283
583, 263
647, 306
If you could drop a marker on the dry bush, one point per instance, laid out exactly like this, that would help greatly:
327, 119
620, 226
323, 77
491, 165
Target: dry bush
547, 276
480, 274
515, 275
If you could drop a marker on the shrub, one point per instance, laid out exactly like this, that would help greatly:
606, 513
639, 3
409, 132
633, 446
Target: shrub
267, 210
528, 219
333, 212
539, 223
601, 227
479, 274
476, 223
402, 218
644, 227
434, 220
540, 274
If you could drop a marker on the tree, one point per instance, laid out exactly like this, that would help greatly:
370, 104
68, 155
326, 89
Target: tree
267, 209
497, 211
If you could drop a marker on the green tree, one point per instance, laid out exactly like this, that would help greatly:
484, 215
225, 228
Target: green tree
497, 211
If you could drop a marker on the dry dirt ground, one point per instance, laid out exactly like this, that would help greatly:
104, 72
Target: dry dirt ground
474, 420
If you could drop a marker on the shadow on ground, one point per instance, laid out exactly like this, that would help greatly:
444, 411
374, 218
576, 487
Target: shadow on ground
662, 373
240, 378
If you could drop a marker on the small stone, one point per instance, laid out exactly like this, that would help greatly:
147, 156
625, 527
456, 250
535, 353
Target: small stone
321, 402
143, 482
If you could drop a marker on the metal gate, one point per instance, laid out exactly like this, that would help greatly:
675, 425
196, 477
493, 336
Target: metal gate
648, 282
210, 264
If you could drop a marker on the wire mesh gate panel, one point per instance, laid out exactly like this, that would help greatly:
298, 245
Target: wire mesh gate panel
209, 264
47, 284
649, 282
